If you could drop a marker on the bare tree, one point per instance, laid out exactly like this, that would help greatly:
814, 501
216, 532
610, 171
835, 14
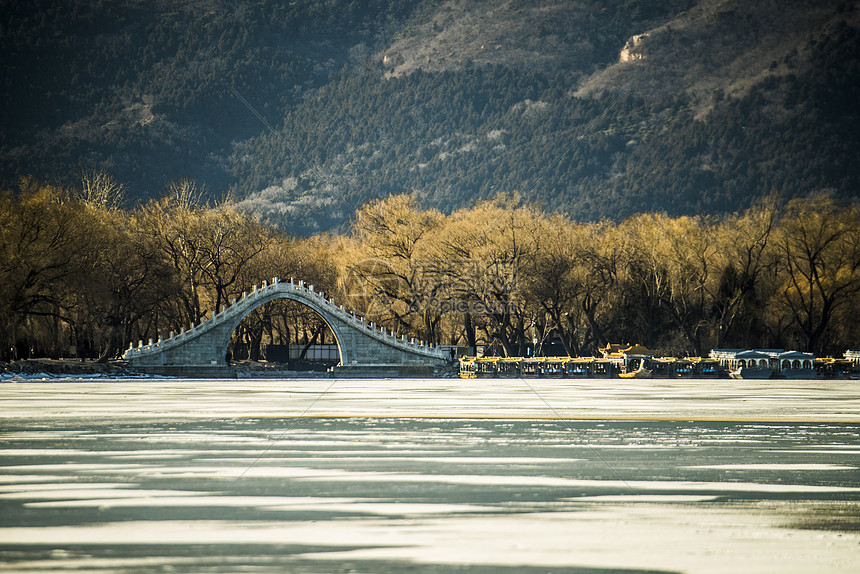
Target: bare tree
820, 255
100, 190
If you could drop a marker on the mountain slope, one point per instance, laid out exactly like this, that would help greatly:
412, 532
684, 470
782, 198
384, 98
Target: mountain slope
721, 48
303, 112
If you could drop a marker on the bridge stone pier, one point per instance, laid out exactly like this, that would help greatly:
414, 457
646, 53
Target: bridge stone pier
365, 349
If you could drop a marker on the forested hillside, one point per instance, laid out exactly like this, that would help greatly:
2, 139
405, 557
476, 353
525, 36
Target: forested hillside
302, 112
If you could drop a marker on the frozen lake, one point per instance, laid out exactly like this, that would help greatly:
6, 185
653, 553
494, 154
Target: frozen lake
430, 476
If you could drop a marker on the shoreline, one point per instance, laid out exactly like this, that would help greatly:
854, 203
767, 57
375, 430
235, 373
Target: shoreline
61, 367
39, 369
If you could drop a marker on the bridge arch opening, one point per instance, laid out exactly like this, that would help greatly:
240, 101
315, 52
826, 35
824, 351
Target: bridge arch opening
285, 332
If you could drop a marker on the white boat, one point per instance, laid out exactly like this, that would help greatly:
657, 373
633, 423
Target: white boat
751, 373
795, 365
745, 364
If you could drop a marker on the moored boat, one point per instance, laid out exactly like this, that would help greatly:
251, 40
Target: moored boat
751, 373
745, 364
640, 373
794, 365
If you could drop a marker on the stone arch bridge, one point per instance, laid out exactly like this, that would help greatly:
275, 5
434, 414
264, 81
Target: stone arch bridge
365, 349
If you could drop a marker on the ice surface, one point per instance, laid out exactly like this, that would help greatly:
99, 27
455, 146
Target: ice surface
388, 476
754, 401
